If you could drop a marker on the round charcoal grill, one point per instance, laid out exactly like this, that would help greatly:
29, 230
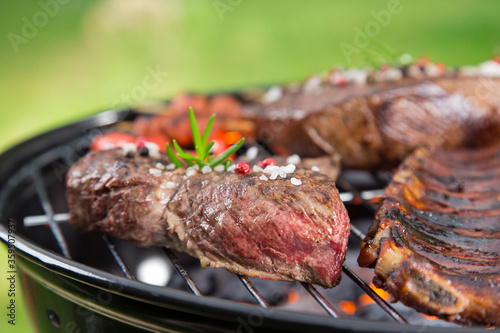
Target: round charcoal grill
92, 283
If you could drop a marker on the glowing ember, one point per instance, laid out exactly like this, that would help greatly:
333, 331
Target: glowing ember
347, 307
429, 317
293, 297
365, 300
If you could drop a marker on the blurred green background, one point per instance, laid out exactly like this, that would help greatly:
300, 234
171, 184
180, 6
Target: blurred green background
61, 60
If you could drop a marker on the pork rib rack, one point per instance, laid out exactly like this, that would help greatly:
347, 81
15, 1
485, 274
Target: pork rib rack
435, 242
273, 229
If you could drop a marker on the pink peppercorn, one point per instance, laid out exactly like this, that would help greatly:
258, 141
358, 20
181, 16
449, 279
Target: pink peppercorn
266, 162
141, 142
242, 168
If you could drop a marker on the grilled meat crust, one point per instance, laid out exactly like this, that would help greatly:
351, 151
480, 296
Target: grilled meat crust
435, 242
377, 125
271, 229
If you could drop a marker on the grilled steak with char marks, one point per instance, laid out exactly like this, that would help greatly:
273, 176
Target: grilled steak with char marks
272, 229
435, 242
378, 124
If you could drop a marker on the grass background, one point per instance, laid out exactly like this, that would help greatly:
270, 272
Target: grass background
92, 55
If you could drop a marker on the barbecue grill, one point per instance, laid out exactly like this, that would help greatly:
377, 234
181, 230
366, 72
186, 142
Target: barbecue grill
92, 283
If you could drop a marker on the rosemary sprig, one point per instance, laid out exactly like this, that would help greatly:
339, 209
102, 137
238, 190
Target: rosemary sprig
202, 148
379, 53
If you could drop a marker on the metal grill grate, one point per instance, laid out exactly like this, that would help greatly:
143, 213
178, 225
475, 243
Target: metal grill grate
53, 221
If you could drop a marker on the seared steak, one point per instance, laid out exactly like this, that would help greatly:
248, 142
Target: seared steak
435, 242
273, 229
378, 124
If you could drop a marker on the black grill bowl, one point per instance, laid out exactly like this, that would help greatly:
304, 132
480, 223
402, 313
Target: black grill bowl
94, 295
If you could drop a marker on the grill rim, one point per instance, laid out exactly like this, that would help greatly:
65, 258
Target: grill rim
204, 306
21, 154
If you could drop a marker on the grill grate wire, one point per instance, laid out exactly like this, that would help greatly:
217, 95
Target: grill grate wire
49, 211
180, 269
352, 195
118, 258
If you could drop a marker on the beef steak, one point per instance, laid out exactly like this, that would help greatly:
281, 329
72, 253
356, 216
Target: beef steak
267, 228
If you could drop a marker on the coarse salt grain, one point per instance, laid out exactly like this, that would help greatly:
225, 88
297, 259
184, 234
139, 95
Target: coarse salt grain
293, 159
191, 171
171, 166
263, 177
272, 95
257, 168
219, 168
270, 168
153, 149
314, 168
312, 83
356, 76
170, 185
129, 148
433, 70
337, 78
160, 166
289, 168
206, 169
155, 172
231, 168
295, 181
252, 153
196, 167
414, 71
490, 68
391, 74
469, 71
275, 173
296, 114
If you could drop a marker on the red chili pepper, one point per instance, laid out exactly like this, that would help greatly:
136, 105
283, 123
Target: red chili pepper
242, 168
337, 78
141, 142
441, 68
385, 67
111, 140
266, 162
159, 139
219, 147
423, 61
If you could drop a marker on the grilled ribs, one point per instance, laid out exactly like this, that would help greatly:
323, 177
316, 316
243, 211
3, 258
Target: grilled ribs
435, 242
272, 229
376, 125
